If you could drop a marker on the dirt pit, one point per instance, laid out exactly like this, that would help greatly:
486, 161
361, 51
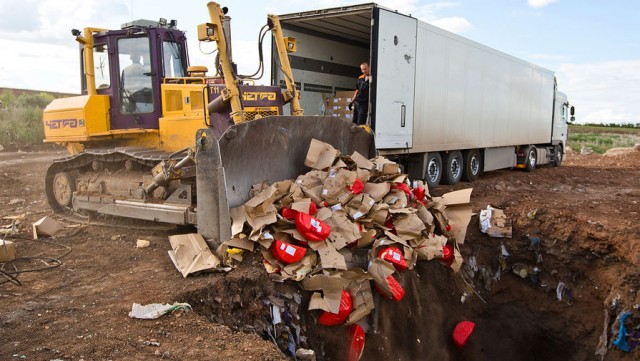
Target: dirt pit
584, 213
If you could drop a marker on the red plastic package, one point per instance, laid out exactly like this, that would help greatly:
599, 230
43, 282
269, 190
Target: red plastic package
312, 228
334, 319
397, 292
286, 252
403, 187
394, 256
418, 193
448, 255
357, 187
462, 332
356, 345
290, 214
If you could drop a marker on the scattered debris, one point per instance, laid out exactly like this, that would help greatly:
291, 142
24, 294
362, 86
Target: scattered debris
495, 223
7, 251
142, 243
155, 310
621, 341
46, 227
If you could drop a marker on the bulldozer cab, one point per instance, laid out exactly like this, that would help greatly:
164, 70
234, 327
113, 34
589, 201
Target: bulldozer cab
129, 66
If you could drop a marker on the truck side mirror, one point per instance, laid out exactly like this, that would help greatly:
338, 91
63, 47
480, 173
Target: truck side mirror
572, 111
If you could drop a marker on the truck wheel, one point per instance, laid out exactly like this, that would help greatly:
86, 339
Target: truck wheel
558, 155
434, 169
532, 159
472, 165
453, 166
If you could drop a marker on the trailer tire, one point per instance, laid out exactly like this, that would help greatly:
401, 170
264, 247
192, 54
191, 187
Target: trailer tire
433, 173
472, 165
557, 160
532, 159
453, 168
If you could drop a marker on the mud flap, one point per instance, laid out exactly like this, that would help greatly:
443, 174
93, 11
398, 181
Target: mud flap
268, 149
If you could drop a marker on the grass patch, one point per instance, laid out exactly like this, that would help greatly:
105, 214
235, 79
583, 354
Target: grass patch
21, 118
601, 139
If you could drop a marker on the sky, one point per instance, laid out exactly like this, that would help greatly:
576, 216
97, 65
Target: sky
593, 46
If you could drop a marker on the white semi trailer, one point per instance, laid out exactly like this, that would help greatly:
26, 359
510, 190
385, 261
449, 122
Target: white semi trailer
447, 107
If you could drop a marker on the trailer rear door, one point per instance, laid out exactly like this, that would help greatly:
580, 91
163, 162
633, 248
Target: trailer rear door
393, 70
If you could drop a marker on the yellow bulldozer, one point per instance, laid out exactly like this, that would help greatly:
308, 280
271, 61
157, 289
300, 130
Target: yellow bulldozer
156, 139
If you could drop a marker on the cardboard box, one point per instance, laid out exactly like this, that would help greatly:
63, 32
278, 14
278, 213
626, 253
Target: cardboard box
190, 253
320, 155
46, 227
7, 251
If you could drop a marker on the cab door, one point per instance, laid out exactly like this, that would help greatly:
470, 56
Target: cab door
393, 60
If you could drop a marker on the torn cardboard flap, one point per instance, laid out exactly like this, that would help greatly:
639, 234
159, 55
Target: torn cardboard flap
190, 254
242, 243
331, 286
299, 270
46, 227
320, 155
457, 261
330, 258
343, 231
377, 191
238, 218
364, 175
258, 222
301, 205
458, 212
335, 186
379, 270
396, 199
262, 203
366, 238
408, 226
362, 162
429, 248
379, 214
359, 206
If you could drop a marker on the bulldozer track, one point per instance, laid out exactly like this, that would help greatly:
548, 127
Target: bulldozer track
146, 157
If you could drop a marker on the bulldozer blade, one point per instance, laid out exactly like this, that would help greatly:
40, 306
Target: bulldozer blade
268, 149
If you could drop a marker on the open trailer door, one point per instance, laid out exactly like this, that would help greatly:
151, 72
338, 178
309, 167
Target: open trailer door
393, 70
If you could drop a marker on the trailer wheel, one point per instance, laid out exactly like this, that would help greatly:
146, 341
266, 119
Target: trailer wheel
472, 165
433, 173
558, 155
453, 166
532, 159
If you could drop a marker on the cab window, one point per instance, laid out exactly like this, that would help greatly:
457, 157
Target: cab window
172, 60
134, 57
101, 66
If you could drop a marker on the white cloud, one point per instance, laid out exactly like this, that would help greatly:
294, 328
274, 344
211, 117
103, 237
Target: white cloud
40, 66
454, 24
540, 3
604, 92
550, 57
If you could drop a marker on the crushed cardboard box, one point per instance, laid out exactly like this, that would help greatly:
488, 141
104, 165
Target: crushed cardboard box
46, 227
190, 254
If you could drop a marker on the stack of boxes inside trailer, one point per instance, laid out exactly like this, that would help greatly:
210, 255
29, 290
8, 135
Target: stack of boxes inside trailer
338, 106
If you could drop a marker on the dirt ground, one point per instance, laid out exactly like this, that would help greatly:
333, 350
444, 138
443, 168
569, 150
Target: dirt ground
585, 214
